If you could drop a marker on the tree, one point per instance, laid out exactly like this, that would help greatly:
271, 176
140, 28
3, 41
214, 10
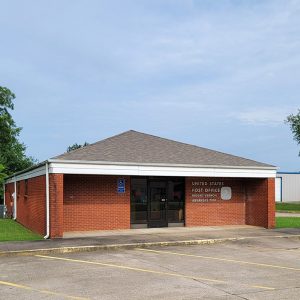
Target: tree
12, 151
2, 174
294, 122
76, 146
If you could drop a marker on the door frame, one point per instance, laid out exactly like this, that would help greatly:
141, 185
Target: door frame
167, 179
163, 222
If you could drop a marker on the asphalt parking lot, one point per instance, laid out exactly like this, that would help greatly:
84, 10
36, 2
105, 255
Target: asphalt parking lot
263, 268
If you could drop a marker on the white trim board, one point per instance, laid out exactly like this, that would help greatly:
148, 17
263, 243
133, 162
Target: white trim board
117, 163
39, 171
145, 170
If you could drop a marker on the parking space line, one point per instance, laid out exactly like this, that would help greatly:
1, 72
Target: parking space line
263, 287
131, 268
24, 287
221, 259
146, 270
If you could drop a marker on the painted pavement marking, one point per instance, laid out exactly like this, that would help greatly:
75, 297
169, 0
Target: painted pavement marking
28, 288
220, 259
145, 270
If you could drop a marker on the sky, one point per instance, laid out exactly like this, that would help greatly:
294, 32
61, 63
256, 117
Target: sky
218, 74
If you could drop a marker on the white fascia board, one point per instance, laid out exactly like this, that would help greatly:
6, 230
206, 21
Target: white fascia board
90, 162
39, 171
146, 170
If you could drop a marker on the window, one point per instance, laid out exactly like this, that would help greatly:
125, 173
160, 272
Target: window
138, 201
176, 201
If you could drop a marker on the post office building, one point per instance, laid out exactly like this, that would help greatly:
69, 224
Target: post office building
137, 180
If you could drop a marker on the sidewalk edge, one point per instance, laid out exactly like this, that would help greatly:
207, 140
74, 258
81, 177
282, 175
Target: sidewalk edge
73, 249
89, 248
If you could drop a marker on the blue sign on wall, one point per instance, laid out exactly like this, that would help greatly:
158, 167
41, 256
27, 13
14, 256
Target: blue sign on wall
121, 185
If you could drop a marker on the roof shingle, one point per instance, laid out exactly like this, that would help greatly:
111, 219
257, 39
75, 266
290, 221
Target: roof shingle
136, 147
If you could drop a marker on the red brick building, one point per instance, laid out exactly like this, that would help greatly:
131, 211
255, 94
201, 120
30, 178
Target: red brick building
136, 180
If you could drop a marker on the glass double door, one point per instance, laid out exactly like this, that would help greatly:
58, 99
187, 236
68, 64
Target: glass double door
157, 202
157, 195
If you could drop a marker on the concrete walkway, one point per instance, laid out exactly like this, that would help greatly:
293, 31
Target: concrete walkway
77, 242
286, 214
161, 231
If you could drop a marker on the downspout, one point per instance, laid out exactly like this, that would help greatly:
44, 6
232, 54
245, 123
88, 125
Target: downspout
47, 204
15, 199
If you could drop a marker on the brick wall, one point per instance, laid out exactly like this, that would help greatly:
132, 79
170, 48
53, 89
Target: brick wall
31, 207
9, 190
260, 205
252, 203
91, 202
271, 204
215, 211
56, 196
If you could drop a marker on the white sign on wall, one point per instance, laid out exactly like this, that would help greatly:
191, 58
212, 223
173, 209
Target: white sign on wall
226, 193
210, 191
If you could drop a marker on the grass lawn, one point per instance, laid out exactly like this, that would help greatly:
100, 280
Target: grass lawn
287, 222
288, 207
10, 230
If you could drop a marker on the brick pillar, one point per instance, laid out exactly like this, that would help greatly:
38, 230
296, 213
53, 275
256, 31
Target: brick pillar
271, 203
260, 202
56, 186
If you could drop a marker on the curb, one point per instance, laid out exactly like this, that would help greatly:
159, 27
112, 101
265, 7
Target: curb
90, 248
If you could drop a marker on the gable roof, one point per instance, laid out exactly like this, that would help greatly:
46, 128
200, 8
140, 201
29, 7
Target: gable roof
138, 148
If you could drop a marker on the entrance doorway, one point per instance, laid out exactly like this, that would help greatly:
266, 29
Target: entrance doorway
157, 201
157, 204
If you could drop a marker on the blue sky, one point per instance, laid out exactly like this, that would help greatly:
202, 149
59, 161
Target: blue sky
218, 74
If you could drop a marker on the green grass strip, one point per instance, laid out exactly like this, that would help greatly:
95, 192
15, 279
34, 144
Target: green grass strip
288, 207
11, 230
287, 222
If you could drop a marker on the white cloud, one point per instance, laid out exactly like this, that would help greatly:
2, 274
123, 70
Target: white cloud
270, 116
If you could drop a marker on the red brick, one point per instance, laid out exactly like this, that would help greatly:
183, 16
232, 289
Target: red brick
219, 212
31, 210
252, 203
91, 202
9, 190
56, 196
260, 205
